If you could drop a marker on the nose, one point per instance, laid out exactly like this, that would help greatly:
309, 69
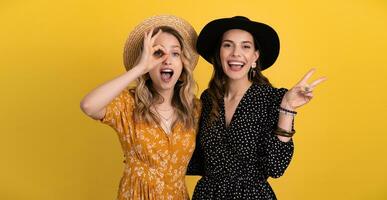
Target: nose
236, 51
167, 61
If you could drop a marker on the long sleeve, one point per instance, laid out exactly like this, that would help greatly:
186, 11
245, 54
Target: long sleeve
196, 164
278, 154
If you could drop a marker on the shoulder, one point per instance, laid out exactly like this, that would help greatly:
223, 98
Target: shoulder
205, 95
205, 99
268, 91
127, 94
125, 98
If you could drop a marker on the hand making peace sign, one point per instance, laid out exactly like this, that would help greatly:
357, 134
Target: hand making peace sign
302, 92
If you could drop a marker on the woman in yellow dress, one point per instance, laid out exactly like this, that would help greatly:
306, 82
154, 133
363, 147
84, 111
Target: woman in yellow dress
156, 120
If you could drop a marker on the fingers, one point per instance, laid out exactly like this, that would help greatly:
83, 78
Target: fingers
149, 35
305, 87
307, 76
308, 95
149, 39
159, 50
155, 36
160, 53
318, 81
309, 88
149, 42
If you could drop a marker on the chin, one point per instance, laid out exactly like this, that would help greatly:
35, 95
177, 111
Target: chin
168, 86
235, 76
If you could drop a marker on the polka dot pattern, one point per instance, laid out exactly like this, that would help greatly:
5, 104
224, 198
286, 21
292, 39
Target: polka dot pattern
235, 162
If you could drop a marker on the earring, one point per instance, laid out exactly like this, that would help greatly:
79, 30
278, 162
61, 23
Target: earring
251, 74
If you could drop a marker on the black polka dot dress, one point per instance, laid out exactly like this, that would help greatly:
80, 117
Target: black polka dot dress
235, 162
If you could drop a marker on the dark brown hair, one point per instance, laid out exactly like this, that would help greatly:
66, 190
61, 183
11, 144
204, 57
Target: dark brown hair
218, 86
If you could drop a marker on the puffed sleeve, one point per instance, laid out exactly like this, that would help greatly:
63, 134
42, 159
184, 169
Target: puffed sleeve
119, 112
278, 154
196, 164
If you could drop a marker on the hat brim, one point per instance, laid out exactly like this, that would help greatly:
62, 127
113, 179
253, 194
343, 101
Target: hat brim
135, 39
266, 37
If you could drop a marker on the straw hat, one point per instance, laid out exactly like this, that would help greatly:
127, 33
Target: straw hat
135, 39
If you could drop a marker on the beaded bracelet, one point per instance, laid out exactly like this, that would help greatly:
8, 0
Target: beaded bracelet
286, 111
282, 132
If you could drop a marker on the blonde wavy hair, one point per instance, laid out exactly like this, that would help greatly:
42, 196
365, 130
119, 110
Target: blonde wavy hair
146, 96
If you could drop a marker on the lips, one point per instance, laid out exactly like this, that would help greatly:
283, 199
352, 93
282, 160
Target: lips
166, 74
236, 65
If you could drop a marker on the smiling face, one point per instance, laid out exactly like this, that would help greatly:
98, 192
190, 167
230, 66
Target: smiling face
237, 54
165, 75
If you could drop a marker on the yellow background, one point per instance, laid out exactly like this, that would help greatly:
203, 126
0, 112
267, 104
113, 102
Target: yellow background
53, 52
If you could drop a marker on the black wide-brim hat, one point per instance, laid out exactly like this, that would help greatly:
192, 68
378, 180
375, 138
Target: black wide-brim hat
267, 38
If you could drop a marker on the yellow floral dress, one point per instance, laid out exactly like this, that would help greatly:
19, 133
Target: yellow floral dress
155, 162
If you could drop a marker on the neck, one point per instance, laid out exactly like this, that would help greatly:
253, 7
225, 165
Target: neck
237, 87
167, 96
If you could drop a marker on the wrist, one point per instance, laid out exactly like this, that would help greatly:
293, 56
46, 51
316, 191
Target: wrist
140, 69
285, 104
287, 112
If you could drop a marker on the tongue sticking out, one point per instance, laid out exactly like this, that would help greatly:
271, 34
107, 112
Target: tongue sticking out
166, 76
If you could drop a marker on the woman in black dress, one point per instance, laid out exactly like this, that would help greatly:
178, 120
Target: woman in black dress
246, 126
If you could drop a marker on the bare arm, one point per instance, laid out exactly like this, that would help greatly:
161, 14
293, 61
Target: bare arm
94, 103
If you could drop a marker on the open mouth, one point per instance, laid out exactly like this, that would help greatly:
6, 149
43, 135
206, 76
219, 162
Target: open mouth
166, 74
236, 65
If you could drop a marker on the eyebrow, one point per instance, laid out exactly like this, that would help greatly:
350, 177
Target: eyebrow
173, 47
176, 47
234, 42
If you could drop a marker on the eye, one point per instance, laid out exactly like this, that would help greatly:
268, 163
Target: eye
225, 45
158, 53
175, 54
246, 46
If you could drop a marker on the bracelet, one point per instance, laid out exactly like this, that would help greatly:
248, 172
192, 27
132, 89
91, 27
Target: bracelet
282, 132
286, 113
283, 110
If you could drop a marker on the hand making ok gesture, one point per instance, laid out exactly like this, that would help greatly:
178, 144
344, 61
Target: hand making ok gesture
151, 54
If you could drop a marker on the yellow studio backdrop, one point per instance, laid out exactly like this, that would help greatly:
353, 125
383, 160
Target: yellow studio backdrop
53, 52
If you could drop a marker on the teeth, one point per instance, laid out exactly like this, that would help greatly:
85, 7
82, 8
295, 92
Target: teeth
166, 74
167, 70
235, 63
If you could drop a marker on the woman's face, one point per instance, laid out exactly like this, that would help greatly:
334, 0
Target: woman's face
237, 53
165, 75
